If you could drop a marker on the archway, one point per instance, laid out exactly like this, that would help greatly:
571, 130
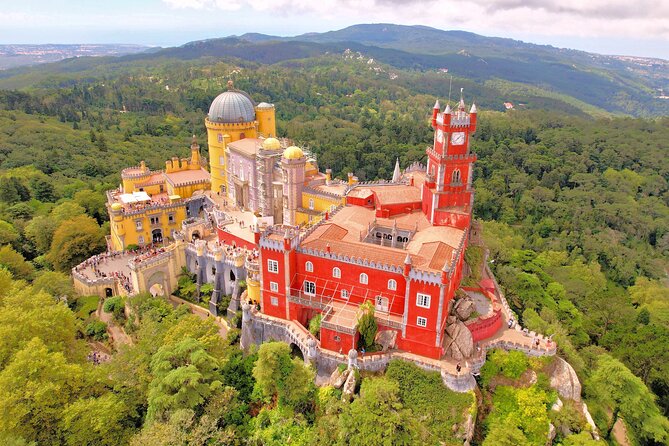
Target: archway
295, 351
156, 290
157, 285
232, 276
157, 235
195, 235
109, 292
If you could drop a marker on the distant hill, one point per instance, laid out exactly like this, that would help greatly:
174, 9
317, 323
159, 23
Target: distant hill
517, 70
17, 55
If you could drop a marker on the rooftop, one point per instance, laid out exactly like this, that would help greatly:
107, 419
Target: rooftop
246, 146
430, 248
188, 177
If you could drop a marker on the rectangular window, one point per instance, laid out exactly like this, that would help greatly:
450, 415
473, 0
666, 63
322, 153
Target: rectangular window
138, 225
309, 287
221, 161
344, 294
421, 321
272, 266
311, 204
274, 301
423, 300
274, 287
170, 218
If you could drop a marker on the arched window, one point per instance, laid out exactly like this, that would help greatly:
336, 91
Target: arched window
344, 294
309, 267
364, 279
336, 273
311, 204
456, 176
392, 284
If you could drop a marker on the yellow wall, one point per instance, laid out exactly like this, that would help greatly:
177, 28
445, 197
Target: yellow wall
321, 203
217, 158
124, 229
266, 118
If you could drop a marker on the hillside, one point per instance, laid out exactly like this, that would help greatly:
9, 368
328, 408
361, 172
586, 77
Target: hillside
518, 72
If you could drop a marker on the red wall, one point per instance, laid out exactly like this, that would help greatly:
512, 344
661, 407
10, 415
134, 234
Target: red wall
279, 278
343, 345
227, 238
484, 328
350, 280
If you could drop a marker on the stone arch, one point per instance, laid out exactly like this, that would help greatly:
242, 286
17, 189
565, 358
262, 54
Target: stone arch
109, 292
297, 352
157, 283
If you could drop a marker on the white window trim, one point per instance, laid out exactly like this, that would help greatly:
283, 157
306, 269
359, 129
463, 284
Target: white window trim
336, 273
274, 301
392, 284
365, 277
311, 204
420, 296
272, 266
309, 267
421, 321
274, 287
345, 294
304, 288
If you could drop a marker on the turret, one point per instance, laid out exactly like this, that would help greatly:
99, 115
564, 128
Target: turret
472, 117
435, 112
194, 154
407, 265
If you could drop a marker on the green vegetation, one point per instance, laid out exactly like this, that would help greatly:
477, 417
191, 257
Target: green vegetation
367, 326
96, 330
315, 325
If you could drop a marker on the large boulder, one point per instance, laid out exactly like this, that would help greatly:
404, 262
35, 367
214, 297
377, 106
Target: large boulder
458, 341
338, 378
349, 387
563, 379
464, 308
386, 339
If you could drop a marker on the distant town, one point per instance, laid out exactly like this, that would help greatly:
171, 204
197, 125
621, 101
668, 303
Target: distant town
12, 56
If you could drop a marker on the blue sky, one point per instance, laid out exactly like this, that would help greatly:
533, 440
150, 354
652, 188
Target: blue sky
639, 27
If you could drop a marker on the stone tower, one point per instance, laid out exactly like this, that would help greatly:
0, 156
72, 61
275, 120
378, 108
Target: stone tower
292, 165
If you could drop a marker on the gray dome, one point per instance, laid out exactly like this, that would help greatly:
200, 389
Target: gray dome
232, 107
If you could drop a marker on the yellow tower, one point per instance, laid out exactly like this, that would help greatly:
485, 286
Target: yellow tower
233, 116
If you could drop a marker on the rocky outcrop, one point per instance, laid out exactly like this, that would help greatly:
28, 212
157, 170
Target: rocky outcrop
349, 387
564, 380
464, 308
386, 339
338, 378
458, 341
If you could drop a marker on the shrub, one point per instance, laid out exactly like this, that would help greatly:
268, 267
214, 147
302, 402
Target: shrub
84, 306
223, 303
132, 247
315, 325
116, 306
97, 330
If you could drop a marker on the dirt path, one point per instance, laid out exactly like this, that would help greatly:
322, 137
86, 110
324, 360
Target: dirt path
117, 334
620, 433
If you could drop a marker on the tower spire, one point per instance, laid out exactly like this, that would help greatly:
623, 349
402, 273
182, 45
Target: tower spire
397, 174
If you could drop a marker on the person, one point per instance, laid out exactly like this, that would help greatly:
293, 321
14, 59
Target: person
362, 351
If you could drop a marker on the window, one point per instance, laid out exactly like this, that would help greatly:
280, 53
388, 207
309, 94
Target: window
423, 300
272, 266
364, 279
421, 321
138, 225
221, 160
213, 270
337, 338
311, 204
344, 294
456, 176
274, 287
381, 304
170, 218
333, 207
274, 301
220, 137
392, 284
309, 267
336, 273
309, 287
140, 240
155, 220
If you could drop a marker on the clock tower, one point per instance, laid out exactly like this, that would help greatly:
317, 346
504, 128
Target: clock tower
447, 192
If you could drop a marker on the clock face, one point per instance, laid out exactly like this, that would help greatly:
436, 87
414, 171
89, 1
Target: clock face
440, 135
458, 138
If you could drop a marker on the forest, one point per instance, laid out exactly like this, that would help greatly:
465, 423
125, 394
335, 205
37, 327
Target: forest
574, 210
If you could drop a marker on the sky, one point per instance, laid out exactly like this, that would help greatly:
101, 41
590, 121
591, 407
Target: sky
628, 27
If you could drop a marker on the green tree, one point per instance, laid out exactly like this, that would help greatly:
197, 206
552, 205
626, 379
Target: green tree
8, 234
627, 396
42, 189
278, 376
12, 190
185, 375
55, 283
581, 439
34, 388
377, 417
97, 421
367, 325
15, 263
74, 241
94, 203
505, 435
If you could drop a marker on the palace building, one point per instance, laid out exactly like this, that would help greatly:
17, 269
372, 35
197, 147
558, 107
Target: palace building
308, 244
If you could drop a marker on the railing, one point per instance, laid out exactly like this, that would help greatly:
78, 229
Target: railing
311, 300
